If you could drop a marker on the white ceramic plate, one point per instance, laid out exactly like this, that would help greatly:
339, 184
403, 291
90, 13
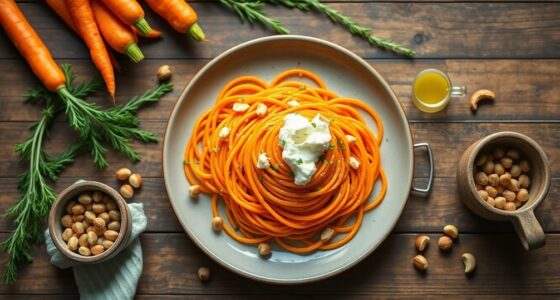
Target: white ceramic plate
344, 73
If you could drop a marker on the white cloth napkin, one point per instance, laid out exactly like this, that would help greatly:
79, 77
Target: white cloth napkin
116, 278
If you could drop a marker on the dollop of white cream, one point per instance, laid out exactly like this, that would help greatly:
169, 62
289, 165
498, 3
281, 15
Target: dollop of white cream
303, 142
262, 161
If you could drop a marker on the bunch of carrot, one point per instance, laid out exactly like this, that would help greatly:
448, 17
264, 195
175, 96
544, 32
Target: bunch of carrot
115, 22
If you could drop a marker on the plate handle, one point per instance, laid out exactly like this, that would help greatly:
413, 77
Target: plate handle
424, 192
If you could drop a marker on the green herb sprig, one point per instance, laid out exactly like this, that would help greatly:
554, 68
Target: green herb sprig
253, 11
118, 124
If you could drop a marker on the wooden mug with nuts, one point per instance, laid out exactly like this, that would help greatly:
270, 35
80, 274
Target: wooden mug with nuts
521, 213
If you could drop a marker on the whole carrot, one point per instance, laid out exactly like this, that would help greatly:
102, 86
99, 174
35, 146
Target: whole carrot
153, 34
117, 34
59, 7
130, 12
180, 15
32, 48
82, 14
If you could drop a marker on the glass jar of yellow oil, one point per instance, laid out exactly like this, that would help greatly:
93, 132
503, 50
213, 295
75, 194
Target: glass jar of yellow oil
432, 90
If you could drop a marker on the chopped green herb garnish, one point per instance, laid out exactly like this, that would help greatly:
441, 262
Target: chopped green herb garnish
332, 147
215, 149
302, 87
313, 124
275, 167
186, 162
299, 161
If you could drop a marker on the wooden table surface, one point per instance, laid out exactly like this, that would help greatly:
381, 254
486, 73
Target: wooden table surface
512, 48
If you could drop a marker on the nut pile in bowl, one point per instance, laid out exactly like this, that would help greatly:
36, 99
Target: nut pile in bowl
502, 178
92, 223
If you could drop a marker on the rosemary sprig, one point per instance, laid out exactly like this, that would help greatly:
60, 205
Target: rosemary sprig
252, 11
353, 27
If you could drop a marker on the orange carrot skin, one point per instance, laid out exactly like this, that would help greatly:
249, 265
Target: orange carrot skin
59, 7
129, 11
82, 14
30, 45
154, 34
116, 33
178, 13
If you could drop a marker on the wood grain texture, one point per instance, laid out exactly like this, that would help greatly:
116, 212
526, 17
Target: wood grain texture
434, 30
171, 261
527, 90
443, 206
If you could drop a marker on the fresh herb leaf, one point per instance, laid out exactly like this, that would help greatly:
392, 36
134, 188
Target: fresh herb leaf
313, 124
299, 161
252, 11
332, 147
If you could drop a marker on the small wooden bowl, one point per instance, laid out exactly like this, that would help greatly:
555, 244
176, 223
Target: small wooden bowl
526, 224
58, 210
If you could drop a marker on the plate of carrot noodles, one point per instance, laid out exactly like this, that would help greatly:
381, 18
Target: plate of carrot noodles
235, 193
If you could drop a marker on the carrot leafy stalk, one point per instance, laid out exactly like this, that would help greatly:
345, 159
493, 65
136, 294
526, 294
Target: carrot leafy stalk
82, 15
118, 35
130, 12
180, 15
36, 196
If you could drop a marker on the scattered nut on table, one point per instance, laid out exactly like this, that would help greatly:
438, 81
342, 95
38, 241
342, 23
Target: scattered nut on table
123, 173
451, 231
85, 230
420, 263
445, 243
264, 249
127, 191
203, 274
481, 95
135, 180
422, 242
469, 261
164, 73
508, 183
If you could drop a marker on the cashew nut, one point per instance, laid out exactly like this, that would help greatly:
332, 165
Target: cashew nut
481, 95
469, 261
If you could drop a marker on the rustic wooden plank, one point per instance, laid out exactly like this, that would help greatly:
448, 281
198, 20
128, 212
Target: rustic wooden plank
497, 30
439, 135
282, 297
420, 215
171, 261
527, 90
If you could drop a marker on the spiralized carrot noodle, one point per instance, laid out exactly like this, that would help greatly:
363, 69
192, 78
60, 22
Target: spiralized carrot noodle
265, 204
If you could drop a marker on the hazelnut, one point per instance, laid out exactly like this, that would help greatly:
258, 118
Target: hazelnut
506, 162
111, 235
97, 249
203, 274
483, 194
523, 195
500, 188
488, 167
500, 202
78, 218
84, 251
67, 234
84, 198
491, 201
115, 226
515, 171
492, 192
123, 174
422, 242
83, 240
524, 181
111, 204
114, 215
510, 206
514, 185
97, 196
445, 243
89, 216
513, 154
98, 223
78, 227
499, 152
509, 195
264, 249
127, 191
451, 231
481, 178
164, 73
78, 209
69, 207
494, 180
73, 243
91, 238
499, 169
525, 166
194, 191
505, 179
217, 224
420, 263
66, 221
99, 208
107, 244
135, 180
481, 160
105, 217
469, 261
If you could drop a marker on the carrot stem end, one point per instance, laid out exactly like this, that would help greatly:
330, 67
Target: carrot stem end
196, 32
142, 26
134, 52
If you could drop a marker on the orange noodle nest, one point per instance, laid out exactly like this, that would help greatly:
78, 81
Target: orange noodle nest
265, 204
